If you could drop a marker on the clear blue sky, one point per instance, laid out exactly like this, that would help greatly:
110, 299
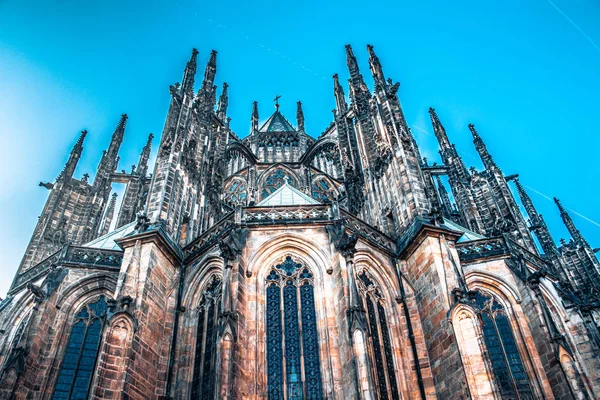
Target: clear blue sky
525, 73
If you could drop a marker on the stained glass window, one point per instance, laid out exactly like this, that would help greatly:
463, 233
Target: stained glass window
235, 193
509, 371
78, 364
274, 181
203, 379
291, 322
322, 191
380, 341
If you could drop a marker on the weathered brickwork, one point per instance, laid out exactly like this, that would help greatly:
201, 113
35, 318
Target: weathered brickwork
282, 265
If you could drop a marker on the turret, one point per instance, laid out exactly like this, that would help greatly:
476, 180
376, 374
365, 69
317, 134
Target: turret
254, 118
69, 170
486, 158
300, 116
189, 74
223, 103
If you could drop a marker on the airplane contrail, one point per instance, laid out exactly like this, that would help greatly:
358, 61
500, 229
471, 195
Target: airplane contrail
585, 35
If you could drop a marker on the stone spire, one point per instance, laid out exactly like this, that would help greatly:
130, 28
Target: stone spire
376, 69
142, 167
69, 170
223, 102
108, 217
538, 226
210, 71
254, 116
487, 159
359, 93
189, 73
444, 198
110, 157
575, 234
438, 130
340, 98
300, 116
447, 150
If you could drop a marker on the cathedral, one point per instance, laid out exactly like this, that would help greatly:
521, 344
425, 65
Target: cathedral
286, 265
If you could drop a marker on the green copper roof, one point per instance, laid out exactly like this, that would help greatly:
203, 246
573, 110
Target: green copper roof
287, 195
108, 241
277, 123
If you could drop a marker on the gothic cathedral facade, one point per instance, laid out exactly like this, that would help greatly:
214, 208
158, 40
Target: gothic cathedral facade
284, 266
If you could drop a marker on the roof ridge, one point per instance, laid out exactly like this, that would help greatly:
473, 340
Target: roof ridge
306, 198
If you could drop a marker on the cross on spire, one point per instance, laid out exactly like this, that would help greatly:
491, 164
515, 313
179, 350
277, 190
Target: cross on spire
276, 100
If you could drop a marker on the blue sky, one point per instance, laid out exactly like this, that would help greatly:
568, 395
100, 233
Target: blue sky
525, 73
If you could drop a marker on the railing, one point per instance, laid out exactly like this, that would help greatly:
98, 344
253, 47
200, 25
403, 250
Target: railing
304, 213
87, 257
210, 237
473, 250
367, 232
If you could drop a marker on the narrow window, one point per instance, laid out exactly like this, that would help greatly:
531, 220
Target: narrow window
509, 371
380, 343
292, 330
203, 382
78, 364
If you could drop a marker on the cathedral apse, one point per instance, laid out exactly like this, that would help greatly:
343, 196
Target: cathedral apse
284, 265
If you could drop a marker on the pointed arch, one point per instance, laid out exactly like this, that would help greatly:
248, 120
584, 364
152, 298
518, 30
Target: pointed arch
274, 177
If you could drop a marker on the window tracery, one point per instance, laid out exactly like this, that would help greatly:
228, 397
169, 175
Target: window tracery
79, 361
235, 193
380, 342
274, 181
507, 365
203, 379
322, 191
291, 327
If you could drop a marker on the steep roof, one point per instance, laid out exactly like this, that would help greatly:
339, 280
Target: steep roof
467, 236
287, 195
277, 123
107, 241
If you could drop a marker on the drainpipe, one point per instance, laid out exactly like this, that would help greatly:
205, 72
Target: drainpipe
178, 311
411, 335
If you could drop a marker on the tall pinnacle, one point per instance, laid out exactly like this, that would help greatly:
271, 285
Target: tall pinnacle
438, 129
487, 159
376, 68
538, 225
575, 234
443, 193
223, 102
142, 167
254, 116
210, 71
340, 98
359, 93
110, 213
117, 138
69, 170
190, 73
300, 116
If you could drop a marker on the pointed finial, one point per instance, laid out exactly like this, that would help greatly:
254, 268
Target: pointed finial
474, 132
190, 73
254, 118
376, 68
338, 92
223, 101
560, 207
300, 116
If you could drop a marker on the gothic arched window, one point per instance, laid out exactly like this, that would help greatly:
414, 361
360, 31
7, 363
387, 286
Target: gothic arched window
380, 342
509, 371
292, 324
203, 380
274, 181
322, 191
78, 364
235, 193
